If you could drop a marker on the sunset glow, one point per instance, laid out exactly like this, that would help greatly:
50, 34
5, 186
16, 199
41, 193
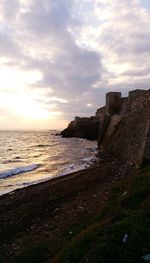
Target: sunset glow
59, 58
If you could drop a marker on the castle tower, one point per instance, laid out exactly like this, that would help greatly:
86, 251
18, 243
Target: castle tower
113, 102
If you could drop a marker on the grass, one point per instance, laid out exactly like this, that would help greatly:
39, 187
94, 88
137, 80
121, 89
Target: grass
127, 212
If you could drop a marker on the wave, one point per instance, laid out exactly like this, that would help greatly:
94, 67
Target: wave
84, 163
18, 170
12, 161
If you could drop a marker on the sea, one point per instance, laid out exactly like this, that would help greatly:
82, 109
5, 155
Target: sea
31, 157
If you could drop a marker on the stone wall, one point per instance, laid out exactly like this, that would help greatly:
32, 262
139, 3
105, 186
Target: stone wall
100, 113
127, 135
147, 144
122, 127
113, 102
124, 105
138, 99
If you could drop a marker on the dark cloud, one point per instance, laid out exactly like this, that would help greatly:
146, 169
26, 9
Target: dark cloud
47, 36
73, 69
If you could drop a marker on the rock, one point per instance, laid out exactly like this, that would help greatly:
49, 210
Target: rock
146, 257
125, 239
56, 209
86, 128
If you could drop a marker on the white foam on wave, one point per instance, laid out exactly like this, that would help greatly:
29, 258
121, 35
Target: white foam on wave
84, 163
18, 170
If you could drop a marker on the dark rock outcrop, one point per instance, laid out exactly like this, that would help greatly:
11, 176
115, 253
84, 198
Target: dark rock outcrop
86, 128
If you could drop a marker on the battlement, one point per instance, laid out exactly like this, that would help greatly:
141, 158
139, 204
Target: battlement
136, 93
116, 104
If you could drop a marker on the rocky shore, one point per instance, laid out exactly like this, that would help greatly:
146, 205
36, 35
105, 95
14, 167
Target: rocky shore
44, 216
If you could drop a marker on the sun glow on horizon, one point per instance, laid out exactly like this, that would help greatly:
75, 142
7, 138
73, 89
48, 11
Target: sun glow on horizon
19, 101
26, 107
24, 112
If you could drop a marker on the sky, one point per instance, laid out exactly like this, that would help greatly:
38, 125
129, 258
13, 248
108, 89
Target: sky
58, 58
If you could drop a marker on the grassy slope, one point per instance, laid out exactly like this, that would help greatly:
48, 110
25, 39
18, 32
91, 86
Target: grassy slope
100, 240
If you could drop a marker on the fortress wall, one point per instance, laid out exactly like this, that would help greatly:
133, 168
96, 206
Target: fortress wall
127, 135
137, 93
146, 151
127, 140
124, 105
122, 126
112, 124
113, 103
138, 99
100, 113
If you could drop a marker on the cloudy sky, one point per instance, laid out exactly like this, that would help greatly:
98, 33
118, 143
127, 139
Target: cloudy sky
58, 58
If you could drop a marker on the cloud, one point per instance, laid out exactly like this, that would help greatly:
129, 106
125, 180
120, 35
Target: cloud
80, 48
121, 33
70, 69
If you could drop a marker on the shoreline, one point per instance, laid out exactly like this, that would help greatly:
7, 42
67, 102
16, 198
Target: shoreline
20, 174
40, 211
52, 180
85, 167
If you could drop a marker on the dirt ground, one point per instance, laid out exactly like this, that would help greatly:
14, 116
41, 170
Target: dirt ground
50, 212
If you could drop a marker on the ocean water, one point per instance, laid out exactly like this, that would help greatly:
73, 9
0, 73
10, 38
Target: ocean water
30, 157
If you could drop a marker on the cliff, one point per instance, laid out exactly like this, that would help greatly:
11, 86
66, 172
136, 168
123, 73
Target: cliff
86, 128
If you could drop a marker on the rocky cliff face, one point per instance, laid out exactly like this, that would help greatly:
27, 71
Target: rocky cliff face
86, 128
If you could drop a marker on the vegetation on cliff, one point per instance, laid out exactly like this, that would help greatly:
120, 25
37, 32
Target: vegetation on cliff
127, 213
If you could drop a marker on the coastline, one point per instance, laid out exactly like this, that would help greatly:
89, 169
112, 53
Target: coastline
39, 160
50, 210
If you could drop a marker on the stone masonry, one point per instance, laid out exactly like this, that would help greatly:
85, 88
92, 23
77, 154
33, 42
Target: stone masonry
122, 127
125, 126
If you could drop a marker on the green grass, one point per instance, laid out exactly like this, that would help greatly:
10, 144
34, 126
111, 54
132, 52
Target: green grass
128, 211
